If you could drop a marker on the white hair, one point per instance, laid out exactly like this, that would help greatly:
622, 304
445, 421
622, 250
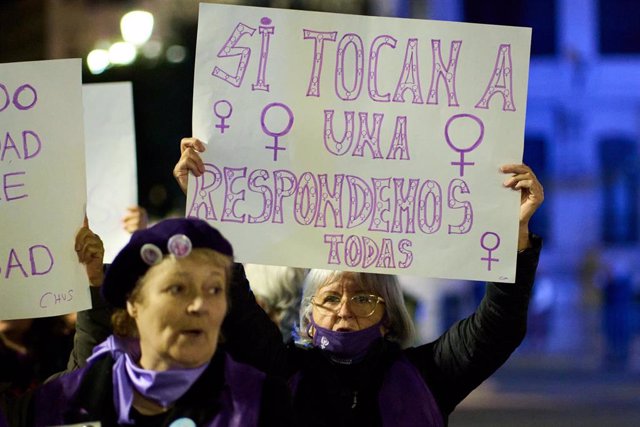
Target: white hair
279, 289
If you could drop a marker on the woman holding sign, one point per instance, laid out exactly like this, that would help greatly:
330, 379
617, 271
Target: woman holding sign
351, 366
164, 363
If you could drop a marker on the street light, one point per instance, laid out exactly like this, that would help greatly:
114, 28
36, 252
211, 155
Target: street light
136, 27
122, 53
98, 61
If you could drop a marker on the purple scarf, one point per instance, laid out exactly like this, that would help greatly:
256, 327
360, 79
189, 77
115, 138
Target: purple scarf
405, 399
163, 387
57, 402
345, 347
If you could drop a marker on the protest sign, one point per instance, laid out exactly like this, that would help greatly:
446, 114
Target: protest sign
112, 182
42, 189
360, 143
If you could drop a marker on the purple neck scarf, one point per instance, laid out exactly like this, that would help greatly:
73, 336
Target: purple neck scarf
163, 387
345, 347
405, 399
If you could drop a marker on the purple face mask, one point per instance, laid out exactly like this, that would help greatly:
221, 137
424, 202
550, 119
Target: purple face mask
345, 347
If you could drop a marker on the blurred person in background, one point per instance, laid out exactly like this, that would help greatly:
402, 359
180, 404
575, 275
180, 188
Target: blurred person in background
617, 307
31, 350
135, 218
278, 290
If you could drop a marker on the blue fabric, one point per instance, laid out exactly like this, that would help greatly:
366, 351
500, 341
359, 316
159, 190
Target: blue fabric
402, 380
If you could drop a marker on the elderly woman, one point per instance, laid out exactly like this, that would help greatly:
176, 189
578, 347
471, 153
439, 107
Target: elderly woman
357, 370
164, 363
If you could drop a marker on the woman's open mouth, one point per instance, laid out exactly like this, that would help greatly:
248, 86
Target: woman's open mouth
192, 333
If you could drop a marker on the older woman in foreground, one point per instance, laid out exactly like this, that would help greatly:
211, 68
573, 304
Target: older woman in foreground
164, 363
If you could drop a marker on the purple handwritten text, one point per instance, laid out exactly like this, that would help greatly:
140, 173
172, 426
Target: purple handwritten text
365, 252
501, 81
379, 204
352, 64
368, 136
24, 97
230, 50
12, 185
40, 262
49, 299
28, 146
265, 30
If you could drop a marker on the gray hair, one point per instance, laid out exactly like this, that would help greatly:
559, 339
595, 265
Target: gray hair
280, 289
396, 319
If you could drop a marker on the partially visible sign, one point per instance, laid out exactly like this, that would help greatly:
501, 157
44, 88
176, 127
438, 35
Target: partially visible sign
42, 189
112, 180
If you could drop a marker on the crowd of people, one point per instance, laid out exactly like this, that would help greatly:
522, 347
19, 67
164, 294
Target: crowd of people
180, 332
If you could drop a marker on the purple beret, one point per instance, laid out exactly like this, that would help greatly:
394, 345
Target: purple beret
147, 247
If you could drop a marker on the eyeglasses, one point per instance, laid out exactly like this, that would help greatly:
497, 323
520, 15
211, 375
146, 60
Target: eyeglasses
360, 305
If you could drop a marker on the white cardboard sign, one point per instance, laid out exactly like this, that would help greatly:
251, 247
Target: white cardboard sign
112, 181
360, 143
42, 189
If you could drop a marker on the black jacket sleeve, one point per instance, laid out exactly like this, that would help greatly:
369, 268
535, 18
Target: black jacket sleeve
92, 327
475, 347
250, 335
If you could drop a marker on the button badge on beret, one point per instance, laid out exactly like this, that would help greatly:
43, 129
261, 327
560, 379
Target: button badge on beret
179, 245
150, 254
